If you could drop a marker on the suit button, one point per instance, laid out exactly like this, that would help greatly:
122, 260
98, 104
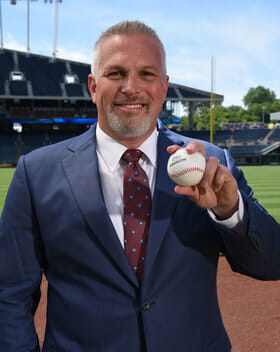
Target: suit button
146, 305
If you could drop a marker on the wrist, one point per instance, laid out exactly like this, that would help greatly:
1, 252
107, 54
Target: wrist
223, 212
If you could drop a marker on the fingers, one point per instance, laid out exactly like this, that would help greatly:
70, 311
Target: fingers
192, 147
205, 193
218, 188
219, 178
173, 148
195, 146
212, 178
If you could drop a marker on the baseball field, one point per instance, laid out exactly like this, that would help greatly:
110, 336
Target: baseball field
265, 180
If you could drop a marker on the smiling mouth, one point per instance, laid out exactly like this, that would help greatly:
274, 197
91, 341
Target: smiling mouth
131, 107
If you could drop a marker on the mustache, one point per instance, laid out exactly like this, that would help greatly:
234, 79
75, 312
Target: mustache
130, 100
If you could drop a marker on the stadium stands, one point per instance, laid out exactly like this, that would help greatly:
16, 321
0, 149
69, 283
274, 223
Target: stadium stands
18, 88
6, 66
81, 70
275, 136
248, 146
49, 99
247, 136
44, 75
8, 148
74, 89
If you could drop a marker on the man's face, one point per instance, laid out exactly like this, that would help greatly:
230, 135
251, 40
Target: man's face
130, 86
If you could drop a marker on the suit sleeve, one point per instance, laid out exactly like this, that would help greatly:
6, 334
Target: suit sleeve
20, 267
256, 251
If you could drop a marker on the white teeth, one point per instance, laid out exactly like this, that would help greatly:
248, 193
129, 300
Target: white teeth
133, 106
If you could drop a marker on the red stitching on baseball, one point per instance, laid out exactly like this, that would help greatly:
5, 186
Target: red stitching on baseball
186, 171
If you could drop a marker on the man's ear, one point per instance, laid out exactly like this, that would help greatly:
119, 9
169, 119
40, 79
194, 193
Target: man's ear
92, 87
166, 81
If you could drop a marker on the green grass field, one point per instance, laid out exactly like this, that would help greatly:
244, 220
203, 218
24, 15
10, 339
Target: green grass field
265, 180
5, 179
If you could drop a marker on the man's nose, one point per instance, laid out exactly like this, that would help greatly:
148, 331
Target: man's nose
131, 85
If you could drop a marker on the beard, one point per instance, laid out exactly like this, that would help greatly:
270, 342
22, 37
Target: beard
124, 129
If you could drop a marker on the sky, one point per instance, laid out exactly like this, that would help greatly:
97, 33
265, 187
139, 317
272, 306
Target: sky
243, 37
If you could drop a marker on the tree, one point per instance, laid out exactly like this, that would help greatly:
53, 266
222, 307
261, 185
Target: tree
260, 103
184, 122
259, 95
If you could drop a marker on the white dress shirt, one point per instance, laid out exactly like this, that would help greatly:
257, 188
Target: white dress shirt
111, 169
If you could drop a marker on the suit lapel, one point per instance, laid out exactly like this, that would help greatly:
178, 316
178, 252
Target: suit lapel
81, 169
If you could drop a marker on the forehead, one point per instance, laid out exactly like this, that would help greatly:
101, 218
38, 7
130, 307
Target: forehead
123, 50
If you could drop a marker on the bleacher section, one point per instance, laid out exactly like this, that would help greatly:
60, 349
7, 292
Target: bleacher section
49, 99
6, 66
275, 136
8, 148
81, 70
73, 89
221, 137
44, 75
242, 150
13, 145
247, 136
247, 146
18, 88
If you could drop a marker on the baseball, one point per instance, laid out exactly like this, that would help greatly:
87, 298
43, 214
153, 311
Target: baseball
186, 169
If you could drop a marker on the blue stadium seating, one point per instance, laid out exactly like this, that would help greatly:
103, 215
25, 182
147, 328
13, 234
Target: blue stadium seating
250, 135
203, 134
18, 88
275, 137
239, 150
45, 75
8, 147
74, 89
6, 66
81, 70
221, 137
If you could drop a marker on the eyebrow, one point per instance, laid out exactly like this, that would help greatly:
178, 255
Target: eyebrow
113, 67
119, 67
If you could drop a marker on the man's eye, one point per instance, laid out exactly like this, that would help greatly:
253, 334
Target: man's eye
148, 74
114, 74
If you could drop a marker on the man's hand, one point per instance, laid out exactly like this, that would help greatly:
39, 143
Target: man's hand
218, 188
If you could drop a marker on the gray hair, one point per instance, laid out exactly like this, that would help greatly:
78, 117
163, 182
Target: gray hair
126, 28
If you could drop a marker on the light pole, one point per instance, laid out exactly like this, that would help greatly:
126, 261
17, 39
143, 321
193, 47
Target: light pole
263, 108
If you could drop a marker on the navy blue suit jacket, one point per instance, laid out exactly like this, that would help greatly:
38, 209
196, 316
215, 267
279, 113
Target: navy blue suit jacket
55, 219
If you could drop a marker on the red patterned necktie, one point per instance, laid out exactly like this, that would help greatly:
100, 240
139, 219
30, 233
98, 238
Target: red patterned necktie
137, 210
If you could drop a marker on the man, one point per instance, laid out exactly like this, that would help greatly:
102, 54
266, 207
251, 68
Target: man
66, 213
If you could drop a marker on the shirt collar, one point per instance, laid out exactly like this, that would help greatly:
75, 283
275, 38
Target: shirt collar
111, 151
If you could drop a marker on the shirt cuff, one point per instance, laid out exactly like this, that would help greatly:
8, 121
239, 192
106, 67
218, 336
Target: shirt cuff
235, 220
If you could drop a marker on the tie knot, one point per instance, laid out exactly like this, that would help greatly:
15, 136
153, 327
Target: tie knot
132, 155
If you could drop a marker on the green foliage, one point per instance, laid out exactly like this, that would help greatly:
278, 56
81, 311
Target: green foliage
184, 122
260, 102
202, 118
259, 95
